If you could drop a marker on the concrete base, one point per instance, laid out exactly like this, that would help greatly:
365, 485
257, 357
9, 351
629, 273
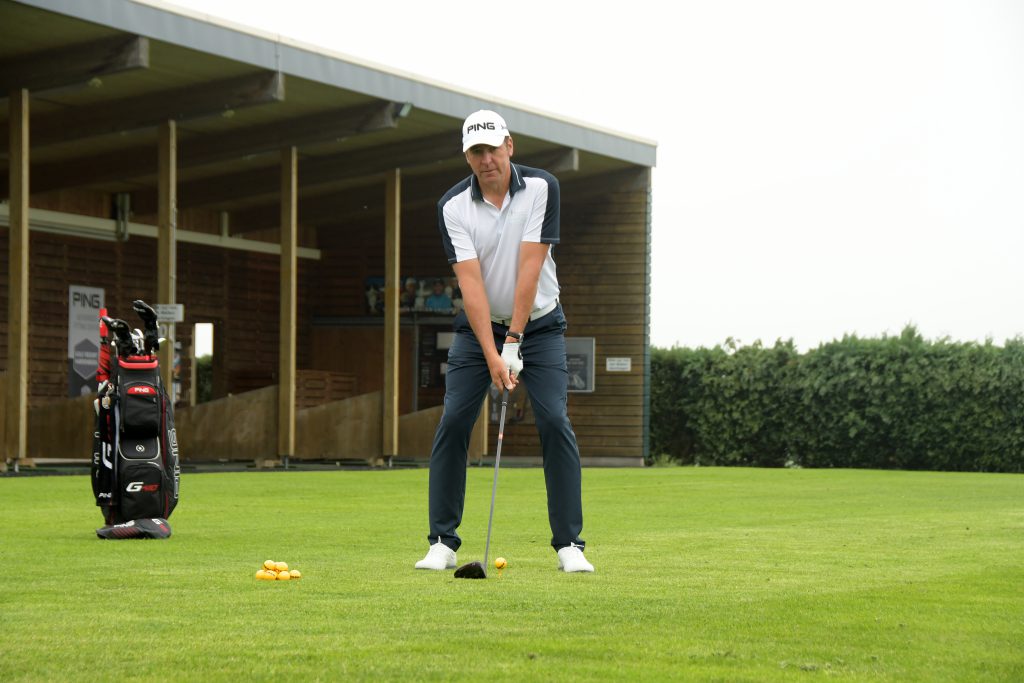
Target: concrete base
585, 461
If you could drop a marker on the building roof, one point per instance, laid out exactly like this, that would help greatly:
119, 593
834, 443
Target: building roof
105, 73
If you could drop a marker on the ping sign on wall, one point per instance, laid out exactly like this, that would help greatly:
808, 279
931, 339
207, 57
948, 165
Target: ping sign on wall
84, 304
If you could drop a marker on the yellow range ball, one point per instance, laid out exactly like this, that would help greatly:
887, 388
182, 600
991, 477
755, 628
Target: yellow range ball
269, 564
500, 563
259, 574
296, 574
281, 566
284, 576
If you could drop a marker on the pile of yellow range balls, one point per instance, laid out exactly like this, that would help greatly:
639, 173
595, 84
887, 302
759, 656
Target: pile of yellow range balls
277, 571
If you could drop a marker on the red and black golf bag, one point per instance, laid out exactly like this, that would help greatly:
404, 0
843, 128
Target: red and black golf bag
135, 470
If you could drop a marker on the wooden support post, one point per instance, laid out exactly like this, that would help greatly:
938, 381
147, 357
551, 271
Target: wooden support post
289, 287
16, 409
167, 248
392, 285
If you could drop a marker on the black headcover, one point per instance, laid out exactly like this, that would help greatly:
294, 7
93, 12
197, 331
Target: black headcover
155, 527
122, 333
149, 320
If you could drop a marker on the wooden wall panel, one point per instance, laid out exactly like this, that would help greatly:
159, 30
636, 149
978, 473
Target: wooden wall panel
316, 387
253, 433
359, 352
234, 289
355, 251
602, 262
348, 429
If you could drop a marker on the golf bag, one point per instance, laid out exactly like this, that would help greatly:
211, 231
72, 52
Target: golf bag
135, 471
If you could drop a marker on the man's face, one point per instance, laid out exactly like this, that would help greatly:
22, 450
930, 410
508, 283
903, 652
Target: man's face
491, 164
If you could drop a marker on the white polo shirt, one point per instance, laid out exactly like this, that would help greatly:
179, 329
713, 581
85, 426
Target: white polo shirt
473, 228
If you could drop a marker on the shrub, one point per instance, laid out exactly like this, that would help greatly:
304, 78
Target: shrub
894, 403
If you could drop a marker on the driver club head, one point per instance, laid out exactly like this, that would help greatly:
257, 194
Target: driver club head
472, 570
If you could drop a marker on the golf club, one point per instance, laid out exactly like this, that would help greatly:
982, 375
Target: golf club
476, 570
137, 340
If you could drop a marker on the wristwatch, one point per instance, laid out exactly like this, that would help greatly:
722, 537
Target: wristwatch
518, 336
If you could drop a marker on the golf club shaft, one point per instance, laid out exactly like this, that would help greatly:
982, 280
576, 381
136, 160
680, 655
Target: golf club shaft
497, 461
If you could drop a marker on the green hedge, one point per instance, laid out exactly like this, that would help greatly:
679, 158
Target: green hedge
895, 403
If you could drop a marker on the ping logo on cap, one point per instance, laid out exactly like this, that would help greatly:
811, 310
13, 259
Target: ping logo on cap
488, 125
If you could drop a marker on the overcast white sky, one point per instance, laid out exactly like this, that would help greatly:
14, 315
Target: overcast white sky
823, 167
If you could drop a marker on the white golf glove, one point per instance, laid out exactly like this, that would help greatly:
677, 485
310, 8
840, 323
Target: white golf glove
513, 357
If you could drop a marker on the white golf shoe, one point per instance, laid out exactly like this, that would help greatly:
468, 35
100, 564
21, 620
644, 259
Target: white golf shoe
438, 557
570, 559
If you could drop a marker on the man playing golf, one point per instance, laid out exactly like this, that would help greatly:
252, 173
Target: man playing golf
498, 227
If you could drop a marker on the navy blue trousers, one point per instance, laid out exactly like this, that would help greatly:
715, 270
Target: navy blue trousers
546, 380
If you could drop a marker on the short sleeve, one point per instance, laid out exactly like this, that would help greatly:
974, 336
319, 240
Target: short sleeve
458, 244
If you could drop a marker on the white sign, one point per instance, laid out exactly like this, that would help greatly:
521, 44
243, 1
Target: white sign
84, 304
170, 313
618, 364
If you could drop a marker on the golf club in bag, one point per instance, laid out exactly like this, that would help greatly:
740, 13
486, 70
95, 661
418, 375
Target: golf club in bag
135, 471
476, 570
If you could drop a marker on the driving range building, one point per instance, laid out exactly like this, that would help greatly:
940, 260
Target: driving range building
286, 196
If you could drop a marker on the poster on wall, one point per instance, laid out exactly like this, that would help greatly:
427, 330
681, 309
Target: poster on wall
435, 295
84, 304
579, 355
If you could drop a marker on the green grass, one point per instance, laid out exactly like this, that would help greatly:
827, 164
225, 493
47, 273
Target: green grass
702, 574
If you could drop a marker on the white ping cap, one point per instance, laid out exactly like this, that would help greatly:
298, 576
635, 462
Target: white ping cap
483, 127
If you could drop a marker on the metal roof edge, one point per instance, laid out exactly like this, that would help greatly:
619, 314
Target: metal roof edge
177, 25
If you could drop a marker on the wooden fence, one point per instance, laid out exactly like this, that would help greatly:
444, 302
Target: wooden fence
243, 428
